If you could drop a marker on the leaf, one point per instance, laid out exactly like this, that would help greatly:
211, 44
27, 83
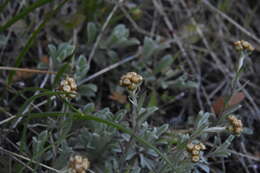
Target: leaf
248, 131
236, 99
145, 162
162, 129
64, 50
222, 150
59, 74
118, 97
204, 167
88, 108
21, 75
91, 32
38, 144
80, 116
88, 90
52, 50
82, 67
3, 40
148, 112
141, 100
164, 64
120, 31
202, 119
33, 36
45, 59
153, 99
219, 105
120, 115
149, 47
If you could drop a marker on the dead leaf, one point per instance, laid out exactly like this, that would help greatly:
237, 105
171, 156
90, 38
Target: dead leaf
21, 75
222, 104
236, 99
219, 105
44, 59
119, 97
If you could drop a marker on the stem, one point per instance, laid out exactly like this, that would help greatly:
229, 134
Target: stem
240, 65
214, 129
133, 100
26, 70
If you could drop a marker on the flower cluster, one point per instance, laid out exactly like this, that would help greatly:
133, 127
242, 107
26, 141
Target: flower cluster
243, 45
69, 85
236, 125
131, 80
78, 164
195, 150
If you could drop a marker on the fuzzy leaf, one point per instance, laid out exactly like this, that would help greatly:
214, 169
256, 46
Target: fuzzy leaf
149, 47
91, 32
164, 64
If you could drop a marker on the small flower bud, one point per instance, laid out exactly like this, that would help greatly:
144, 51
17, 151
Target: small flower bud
243, 45
132, 87
202, 146
236, 125
195, 152
126, 82
68, 85
131, 81
78, 164
197, 147
66, 88
136, 79
238, 130
190, 147
195, 158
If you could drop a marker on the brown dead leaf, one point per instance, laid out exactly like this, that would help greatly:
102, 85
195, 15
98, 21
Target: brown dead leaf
236, 98
118, 97
21, 75
219, 105
44, 59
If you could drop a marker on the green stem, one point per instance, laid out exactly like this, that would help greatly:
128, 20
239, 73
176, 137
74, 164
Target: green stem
133, 100
240, 65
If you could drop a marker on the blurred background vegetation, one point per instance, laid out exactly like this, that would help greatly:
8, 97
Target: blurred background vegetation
183, 49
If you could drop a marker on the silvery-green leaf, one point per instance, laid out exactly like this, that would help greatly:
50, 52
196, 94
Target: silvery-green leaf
64, 50
91, 32
145, 162
149, 111
88, 90
148, 47
164, 64
52, 50
204, 167
120, 31
3, 40
81, 67
247, 131
202, 119
162, 129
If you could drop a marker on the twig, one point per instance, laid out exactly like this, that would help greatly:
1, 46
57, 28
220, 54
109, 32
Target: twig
109, 68
93, 51
231, 21
6, 120
30, 160
26, 70
135, 25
